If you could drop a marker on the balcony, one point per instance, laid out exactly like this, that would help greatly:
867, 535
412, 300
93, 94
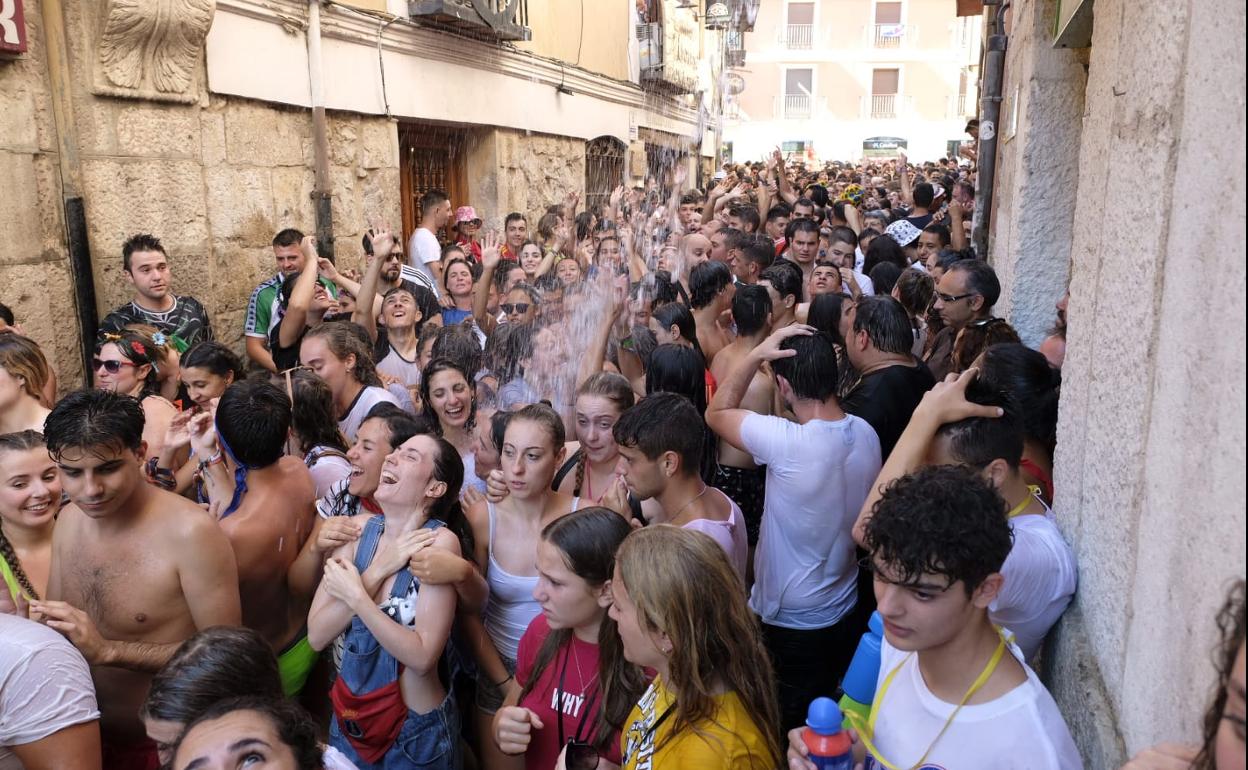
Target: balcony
886, 106
487, 19
798, 107
892, 36
797, 37
962, 106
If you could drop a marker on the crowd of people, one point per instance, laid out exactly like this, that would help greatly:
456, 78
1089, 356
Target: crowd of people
622, 488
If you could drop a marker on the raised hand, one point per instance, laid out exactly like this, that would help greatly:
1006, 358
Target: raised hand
336, 532
383, 239
491, 246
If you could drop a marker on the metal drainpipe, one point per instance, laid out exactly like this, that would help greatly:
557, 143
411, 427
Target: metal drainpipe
322, 195
989, 129
74, 208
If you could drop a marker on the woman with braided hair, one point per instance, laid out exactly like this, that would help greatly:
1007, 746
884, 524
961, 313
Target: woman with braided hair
589, 472
30, 496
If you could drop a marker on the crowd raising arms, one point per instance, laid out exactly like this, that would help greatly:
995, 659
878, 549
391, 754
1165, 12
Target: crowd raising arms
622, 494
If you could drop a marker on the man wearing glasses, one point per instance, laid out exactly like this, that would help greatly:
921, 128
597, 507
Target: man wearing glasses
965, 295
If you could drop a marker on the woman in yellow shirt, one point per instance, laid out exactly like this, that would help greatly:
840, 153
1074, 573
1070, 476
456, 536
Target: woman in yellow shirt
681, 612
30, 497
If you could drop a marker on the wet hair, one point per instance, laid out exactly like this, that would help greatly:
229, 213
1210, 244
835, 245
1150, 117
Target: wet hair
802, 225
343, 341
529, 290
547, 418
706, 281
215, 358
514, 216
787, 282
693, 196
588, 540
546, 226
1230, 623
140, 242
818, 193
400, 424
750, 307
883, 250
293, 726
805, 203
288, 237
446, 272
21, 358
947, 258
676, 314
758, 250
313, 418
1026, 376
448, 467
614, 388
940, 520
734, 238
748, 214
137, 346
678, 369
915, 289
508, 348
941, 232
824, 314
664, 422
885, 322
459, 344
6, 314
980, 279
812, 372
843, 234
976, 337
253, 418
504, 268
977, 441
884, 277
778, 211
21, 441
212, 665
436, 366
89, 419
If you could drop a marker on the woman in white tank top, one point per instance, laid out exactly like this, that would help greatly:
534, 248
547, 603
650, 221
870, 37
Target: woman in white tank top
507, 536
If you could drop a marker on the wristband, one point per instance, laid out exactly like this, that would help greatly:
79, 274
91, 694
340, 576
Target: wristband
499, 686
216, 459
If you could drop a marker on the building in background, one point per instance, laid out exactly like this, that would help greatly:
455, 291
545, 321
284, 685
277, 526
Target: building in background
844, 79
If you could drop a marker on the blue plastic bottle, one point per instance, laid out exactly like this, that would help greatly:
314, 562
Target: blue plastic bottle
829, 745
864, 670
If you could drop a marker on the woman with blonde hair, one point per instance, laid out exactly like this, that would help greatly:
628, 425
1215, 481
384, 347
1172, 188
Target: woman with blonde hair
23, 375
680, 611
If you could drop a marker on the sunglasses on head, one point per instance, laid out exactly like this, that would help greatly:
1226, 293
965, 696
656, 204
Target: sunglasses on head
519, 307
112, 367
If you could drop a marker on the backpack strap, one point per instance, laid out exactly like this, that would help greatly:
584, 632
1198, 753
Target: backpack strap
318, 452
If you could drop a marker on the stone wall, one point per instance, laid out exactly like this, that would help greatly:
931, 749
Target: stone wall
214, 179
517, 171
1037, 172
1149, 470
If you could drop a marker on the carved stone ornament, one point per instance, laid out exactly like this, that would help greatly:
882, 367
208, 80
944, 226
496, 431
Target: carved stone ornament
151, 49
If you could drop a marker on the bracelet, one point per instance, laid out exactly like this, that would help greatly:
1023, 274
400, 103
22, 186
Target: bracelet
505, 681
216, 459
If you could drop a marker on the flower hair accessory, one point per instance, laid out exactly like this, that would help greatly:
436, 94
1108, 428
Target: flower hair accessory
160, 339
138, 348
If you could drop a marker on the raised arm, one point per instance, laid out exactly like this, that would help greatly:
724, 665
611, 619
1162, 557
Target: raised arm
481, 292
787, 192
903, 170
366, 305
942, 404
724, 415
301, 296
957, 235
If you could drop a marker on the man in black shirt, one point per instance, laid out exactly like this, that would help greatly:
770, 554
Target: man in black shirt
181, 318
891, 383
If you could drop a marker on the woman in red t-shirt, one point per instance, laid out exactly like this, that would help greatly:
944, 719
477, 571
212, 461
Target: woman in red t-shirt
570, 657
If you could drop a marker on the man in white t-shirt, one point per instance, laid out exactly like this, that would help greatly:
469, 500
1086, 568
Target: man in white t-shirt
48, 712
819, 471
938, 541
1040, 572
423, 248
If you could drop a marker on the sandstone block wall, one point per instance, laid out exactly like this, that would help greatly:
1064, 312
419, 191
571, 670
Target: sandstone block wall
1150, 470
520, 171
214, 180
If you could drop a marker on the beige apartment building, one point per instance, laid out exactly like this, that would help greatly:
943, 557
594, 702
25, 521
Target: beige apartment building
840, 79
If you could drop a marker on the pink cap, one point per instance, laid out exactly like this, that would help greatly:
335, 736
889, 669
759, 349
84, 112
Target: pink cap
466, 214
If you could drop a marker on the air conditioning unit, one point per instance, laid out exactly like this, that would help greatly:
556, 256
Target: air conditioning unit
650, 37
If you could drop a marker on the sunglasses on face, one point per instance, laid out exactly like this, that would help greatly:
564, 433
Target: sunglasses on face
112, 367
519, 307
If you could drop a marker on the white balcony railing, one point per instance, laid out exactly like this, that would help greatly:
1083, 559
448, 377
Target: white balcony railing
797, 36
961, 106
794, 107
886, 106
892, 35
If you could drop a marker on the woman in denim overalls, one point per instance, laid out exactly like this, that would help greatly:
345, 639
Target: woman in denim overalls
391, 709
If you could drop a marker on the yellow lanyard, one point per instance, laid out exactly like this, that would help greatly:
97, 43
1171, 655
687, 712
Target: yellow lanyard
1018, 509
866, 733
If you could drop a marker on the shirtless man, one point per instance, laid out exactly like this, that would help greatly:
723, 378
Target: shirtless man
267, 518
135, 570
710, 298
738, 475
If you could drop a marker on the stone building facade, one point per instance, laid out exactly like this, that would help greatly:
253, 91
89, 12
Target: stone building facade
198, 131
1122, 176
